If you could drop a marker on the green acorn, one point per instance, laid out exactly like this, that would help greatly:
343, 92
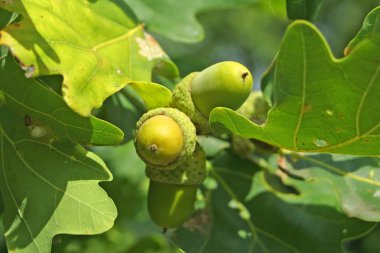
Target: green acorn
225, 84
165, 138
255, 108
172, 193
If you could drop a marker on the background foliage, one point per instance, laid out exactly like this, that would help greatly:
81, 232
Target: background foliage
249, 32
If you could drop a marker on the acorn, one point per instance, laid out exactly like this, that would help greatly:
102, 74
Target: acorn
165, 138
255, 108
224, 84
172, 193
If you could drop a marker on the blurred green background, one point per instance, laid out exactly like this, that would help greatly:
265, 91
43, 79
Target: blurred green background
251, 35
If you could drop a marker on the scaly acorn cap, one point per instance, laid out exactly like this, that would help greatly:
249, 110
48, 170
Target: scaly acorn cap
191, 172
181, 99
165, 138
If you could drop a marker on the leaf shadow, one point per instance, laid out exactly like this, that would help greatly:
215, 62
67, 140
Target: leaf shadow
334, 163
32, 43
39, 173
40, 188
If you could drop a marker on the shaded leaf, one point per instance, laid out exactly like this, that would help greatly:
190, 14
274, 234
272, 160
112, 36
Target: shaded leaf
98, 47
311, 91
369, 27
125, 108
6, 18
177, 19
303, 9
212, 145
48, 182
266, 220
119, 111
355, 180
27, 100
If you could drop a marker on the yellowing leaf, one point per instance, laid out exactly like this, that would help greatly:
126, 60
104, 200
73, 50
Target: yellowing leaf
95, 45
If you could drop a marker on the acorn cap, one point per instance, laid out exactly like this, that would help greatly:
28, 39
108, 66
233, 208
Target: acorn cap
191, 172
181, 99
188, 137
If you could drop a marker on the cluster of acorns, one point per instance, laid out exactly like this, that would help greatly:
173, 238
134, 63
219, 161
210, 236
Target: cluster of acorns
165, 138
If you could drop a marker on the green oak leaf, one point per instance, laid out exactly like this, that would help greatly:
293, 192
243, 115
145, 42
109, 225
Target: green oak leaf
303, 9
370, 26
153, 95
125, 108
119, 111
177, 19
5, 18
320, 104
30, 105
98, 47
48, 182
245, 214
355, 180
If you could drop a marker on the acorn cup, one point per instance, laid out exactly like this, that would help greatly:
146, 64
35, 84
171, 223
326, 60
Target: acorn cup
224, 84
172, 193
165, 138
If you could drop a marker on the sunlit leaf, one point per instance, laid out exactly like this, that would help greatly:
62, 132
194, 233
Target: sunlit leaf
95, 45
320, 104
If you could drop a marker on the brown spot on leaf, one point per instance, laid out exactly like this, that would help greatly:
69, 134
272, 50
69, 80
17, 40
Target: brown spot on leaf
201, 222
28, 120
306, 108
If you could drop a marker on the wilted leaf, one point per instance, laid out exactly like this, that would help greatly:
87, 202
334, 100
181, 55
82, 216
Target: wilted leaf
320, 104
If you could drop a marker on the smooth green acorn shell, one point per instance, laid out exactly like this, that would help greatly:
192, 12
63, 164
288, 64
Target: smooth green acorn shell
181, 99
172, 193
169, 205
188, 131
224, 84
159, 140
